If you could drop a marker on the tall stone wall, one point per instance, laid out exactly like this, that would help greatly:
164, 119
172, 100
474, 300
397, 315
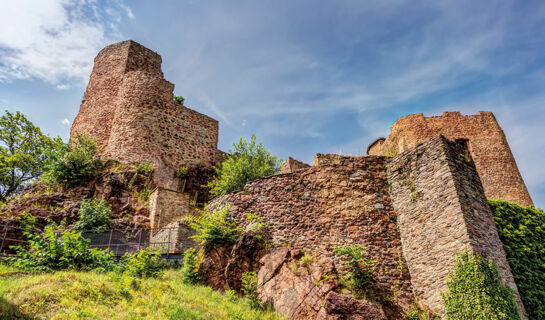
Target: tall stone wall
167, 206
339, 201
482, 134
128, 108
441, 211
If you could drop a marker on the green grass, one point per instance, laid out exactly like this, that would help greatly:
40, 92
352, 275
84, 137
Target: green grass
88, 295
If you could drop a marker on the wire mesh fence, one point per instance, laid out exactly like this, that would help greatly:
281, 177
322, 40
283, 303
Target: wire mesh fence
167, 240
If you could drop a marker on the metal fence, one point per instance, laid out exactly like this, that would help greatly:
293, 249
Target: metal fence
119, 241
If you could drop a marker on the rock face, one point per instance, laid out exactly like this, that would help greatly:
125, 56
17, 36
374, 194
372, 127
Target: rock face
484, 138
128, 108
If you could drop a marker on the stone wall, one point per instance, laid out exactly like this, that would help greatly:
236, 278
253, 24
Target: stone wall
167, 206
291, 165
338, 202
485, 139
173, 238
128, 108
441, 211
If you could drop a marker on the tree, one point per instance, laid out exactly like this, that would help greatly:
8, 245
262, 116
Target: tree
248, 160
22, 152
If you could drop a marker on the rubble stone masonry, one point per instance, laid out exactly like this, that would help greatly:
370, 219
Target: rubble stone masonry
484, 138
442, 211
128, 108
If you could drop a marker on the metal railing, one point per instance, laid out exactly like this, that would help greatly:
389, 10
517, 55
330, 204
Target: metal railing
119, 241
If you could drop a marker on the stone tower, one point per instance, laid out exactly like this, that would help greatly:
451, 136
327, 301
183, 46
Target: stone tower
480, 133
128, 108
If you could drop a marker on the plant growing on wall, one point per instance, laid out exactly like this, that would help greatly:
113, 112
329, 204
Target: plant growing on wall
94, 215
179, 99
248, 160
359, 267
476, 292
213, 227
522, 232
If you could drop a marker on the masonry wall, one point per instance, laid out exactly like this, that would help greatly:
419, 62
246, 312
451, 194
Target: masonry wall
128, 108
167, 206
486, 140
441, 211
340, 201
173, 238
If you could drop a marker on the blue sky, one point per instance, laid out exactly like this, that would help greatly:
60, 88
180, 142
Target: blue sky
307, 76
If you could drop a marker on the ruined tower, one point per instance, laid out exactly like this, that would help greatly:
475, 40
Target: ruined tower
128, 108
481, 134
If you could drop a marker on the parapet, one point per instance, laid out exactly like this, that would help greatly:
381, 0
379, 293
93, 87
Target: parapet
485, 141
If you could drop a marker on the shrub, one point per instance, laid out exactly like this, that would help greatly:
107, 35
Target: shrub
94, 215
68, 250
359, 267
249, 288
27, 221
182, 172
249, 160
213, 227
179, 99
75, 165
522, 232
475, 291
190, 267
144, 264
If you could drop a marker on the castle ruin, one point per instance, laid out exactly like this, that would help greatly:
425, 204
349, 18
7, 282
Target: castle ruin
417, 200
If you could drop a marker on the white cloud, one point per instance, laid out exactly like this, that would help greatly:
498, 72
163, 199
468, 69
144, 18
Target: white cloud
65, 121
62, 87
54, 40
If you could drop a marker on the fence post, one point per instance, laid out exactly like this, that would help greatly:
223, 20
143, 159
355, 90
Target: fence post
4, 237
110, 240
168, 244
140, 238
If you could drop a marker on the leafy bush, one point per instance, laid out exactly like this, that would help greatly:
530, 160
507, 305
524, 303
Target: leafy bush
522, 232
179, 99
249, 160
144, 264
213, 227
190, 267
94, 215
74, 165
182, 172
359, 267
27, 221
249, 288
68, 250
475, 292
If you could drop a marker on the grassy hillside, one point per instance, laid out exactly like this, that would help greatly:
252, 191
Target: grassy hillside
87, 295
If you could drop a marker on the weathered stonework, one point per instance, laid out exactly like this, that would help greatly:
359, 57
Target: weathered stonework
441, 211
341, 201
167, 206
291, 165
173, 238
485, 140
128, 108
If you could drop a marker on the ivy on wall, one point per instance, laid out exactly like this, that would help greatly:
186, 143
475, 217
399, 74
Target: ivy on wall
522, 232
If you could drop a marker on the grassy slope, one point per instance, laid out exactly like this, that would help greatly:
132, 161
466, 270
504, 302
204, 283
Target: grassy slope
86, 295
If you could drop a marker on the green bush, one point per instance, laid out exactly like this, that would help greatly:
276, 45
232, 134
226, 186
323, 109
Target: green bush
249, 289
248, 160
179, 99
359, 267
190, 267
476, 292
75, 165
27, 221
522, 232
52, 251
144, 264
182, 172
94, 215
213, 227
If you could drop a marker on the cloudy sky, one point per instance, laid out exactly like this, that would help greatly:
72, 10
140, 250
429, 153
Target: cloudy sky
306, 76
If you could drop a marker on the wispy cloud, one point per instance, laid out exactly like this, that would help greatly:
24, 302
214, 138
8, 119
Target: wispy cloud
55, 40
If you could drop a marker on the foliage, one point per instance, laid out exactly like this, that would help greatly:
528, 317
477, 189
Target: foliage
94, 215
213, 227
182, 172
144, 264
522, 232
359, 267
27, 221
179, 99
248, 160
52, 251
74, 165
115, 296
249, 288
145, 168
190, 267
256, 225
22, 152
476, 292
